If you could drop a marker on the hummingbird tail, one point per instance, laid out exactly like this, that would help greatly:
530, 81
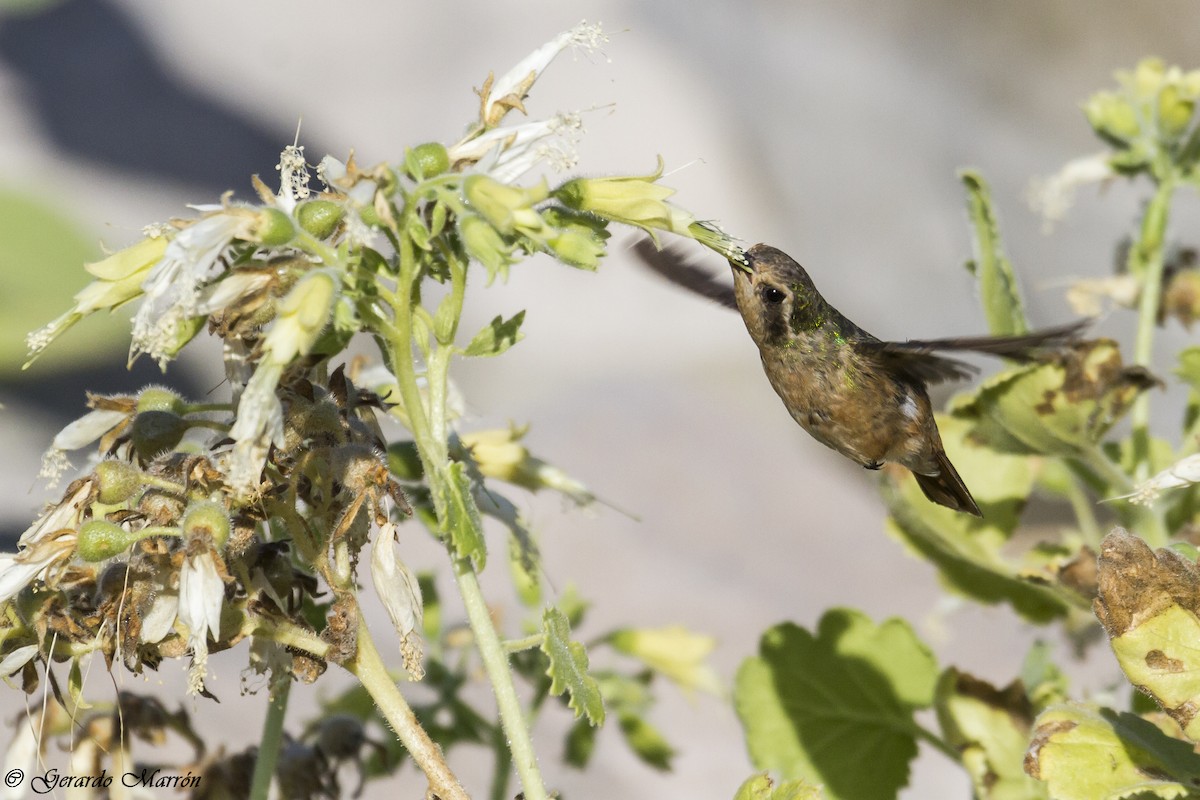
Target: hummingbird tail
946, 488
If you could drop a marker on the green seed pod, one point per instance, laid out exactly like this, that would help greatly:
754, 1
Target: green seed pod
320, 217
160, 398
156, 431
426, 160
274, 228
118, 480
207, 517
100, 539
404, 461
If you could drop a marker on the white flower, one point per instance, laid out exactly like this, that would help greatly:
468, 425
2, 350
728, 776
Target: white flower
293, 178
510, 89
1182, 473
201, 595
401, 595
1052, 197
172, 289
80, 433
259, 424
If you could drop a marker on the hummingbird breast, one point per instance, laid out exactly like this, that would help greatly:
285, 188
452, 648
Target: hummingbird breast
852, 405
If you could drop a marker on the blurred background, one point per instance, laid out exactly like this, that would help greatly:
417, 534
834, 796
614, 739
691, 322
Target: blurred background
833, 130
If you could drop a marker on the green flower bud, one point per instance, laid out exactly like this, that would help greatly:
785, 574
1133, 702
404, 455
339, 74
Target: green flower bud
273, 228
508, 208
1147, 78
485, 244
426, 160
155, 432
207, 517
404, 461
160, 398
1112, 117
1174, 111
100, 539
319, 217
634, 200
578, 248
118, 481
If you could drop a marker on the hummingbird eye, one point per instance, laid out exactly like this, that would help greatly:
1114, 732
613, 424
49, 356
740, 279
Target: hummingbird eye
772, 295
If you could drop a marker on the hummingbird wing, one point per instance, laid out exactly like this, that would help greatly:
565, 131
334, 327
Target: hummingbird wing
916, 357
672, 265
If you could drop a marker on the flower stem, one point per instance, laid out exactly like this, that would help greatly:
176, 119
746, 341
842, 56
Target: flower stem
495, 663
272, 735
1146, 263
368, 667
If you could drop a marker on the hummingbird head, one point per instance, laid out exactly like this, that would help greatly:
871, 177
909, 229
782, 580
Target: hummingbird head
776, 297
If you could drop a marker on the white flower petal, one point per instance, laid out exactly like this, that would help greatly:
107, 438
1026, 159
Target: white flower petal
400, 592
1053, 197
1182, 473
17, 659
160, 619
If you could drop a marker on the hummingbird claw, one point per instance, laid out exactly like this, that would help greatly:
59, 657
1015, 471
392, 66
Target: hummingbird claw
874, 465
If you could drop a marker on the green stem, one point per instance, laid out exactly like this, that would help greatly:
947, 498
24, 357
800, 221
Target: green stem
1085, 516
503, 766
527, 643
428, 425
495, 663
1146, 263
368, 667
938, 742
272, 735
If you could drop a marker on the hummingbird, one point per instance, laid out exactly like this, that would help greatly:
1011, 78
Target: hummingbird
865, 398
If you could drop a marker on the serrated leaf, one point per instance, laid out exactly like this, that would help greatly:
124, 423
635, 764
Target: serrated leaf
568, 669
1088, 753
761, 787
462, 522
967, 550
1060, 407
646, 742
1149, 603
673, 651
990, 730
820, 707
499, 335
997, 283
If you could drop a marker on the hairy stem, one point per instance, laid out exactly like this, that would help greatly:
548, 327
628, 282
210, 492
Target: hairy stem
495, 662
1146, 263
368, 667
429, 427
272, 735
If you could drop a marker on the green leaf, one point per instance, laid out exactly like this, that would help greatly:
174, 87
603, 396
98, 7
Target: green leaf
75, 687
462, 522
821, 707
1086, 753
1149, 603
568, 668
761, 787
673, 651
646, 741
1045, 684
990, 729
967, 550
997, 283
498, 336
1060, 407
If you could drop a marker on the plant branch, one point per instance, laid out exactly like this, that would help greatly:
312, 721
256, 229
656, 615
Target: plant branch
368, 667
272, 734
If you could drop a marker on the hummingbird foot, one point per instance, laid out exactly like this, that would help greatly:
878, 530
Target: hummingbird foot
874, 465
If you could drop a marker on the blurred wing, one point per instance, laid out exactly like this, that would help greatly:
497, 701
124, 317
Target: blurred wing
916, 358
675, 267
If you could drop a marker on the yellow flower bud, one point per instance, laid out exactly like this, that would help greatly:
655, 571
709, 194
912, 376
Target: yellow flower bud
507, 208
1112, 116
301, 316
634, 200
